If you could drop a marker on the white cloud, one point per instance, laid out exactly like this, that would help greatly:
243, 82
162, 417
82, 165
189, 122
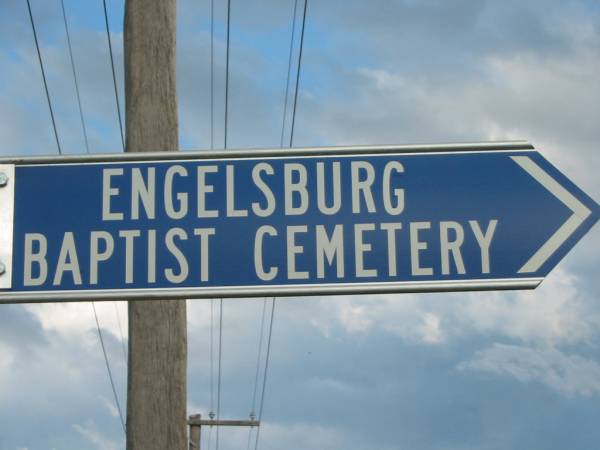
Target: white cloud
356, 318
6, 359
110, 406
328, 384
77, 319
569, 375
97, 439
307, 436
555, 313
430, 329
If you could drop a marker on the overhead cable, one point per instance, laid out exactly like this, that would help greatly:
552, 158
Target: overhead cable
219, 370
87, 148
122, 134
121, 332
212, 74
39, 54
298, 74
114, 76
289, 73
227, 73
211, 413
75, 80
262, 399
264, 384
256, 375
110, 376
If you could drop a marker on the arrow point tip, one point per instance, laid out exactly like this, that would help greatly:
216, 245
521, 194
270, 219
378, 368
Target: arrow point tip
595, 207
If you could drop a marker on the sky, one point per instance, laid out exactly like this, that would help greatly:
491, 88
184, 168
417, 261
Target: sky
486, 370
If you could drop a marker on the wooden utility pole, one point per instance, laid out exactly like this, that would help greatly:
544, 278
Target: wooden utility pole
156, 382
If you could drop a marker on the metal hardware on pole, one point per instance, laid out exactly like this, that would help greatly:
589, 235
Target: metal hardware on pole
196, 423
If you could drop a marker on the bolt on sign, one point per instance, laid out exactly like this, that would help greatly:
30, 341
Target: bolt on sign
295, 222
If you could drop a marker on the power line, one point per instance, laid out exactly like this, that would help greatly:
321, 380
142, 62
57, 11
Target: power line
112, 383
121, 332
298, 74
114, 77
212, 74
225, 146
258, 357
211, 413
39, 54
87, 148
209, 436
227, 73
289, 71
212, 146
219, 370
83, 128
260, 343
264, 386
212, 369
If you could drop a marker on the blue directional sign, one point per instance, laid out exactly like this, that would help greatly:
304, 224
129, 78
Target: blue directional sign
274, 222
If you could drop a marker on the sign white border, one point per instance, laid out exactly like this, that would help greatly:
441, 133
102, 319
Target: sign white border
7, 209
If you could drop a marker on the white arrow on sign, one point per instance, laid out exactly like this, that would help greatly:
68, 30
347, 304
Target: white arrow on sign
580, 213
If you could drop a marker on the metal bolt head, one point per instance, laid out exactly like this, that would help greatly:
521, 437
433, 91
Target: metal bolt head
3, 179
2, 268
